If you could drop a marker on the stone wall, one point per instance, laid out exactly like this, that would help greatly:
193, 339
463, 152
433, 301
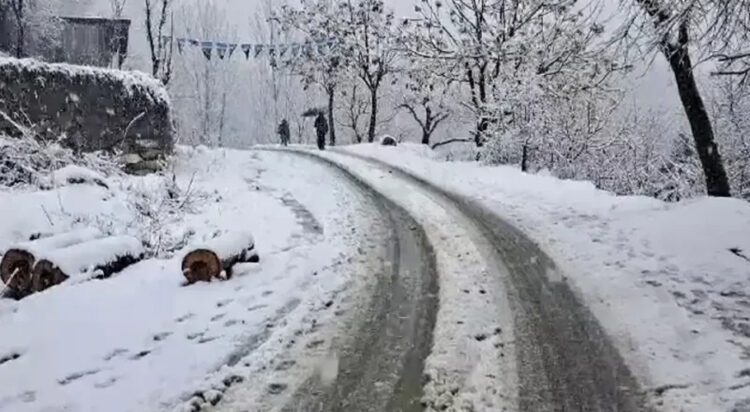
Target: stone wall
86, 108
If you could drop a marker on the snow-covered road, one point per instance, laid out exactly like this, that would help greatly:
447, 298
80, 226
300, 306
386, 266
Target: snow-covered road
378, 290
510, 334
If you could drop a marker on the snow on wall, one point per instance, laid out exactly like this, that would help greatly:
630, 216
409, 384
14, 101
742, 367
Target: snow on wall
89, 108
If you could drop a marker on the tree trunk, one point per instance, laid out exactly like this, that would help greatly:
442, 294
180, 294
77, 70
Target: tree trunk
717, 183
426, 129
331, 125
373, 115
18, 11
482, 127
525, 158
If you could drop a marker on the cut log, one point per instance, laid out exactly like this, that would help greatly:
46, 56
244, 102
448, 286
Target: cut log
18, 262
96, 259
15, 270
207, 262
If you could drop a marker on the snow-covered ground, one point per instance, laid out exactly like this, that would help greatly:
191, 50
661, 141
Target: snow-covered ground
142, 341
670, 282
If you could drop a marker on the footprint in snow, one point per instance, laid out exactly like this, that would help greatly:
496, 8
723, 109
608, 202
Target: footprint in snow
9, 357
161, 336
256, 307
208, 339
115, 353
140, 355
106, 383
218, 317
76, 376
184, 317
224, 302
28, 397
194, 336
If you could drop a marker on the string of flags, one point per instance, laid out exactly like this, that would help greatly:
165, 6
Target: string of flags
225, 50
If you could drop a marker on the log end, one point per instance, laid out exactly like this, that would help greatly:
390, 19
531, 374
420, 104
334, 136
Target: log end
46, 275
201, 266
16, 270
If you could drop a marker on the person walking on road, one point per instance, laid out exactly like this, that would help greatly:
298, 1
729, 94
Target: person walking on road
283, 132
321, 128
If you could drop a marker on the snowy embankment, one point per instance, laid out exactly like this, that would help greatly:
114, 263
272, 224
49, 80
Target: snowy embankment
142, 340
669, 282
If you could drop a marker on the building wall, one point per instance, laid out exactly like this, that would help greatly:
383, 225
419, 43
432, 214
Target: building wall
93, 41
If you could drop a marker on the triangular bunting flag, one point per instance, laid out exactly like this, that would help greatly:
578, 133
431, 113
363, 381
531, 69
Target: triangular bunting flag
282, 49
165, 40
180, 44
258, 49
246, 49
221, 50
207, 47
271, 50
232, 48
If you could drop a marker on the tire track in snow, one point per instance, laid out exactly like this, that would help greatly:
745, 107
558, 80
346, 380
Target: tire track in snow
380, 368
564, 359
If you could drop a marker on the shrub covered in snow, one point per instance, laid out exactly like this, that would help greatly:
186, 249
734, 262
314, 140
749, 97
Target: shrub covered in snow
28, 162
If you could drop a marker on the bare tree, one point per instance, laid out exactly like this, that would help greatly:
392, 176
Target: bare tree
423, 114
160, 41
118, 7
355, 111
675, 27
369, 42
318, 21
424, 98
203, 86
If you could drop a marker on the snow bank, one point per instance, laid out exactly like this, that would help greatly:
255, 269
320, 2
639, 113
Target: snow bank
668, 282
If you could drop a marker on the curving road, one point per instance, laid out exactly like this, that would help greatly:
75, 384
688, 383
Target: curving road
557, 357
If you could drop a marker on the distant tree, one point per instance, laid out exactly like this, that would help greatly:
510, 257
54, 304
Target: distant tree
354, 112
319, 60
370, 42
159, 38
206, 83
484, 45
118, 8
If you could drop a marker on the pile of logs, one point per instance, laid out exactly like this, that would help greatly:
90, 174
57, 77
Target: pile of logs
39, 264
217, 258
44, 262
